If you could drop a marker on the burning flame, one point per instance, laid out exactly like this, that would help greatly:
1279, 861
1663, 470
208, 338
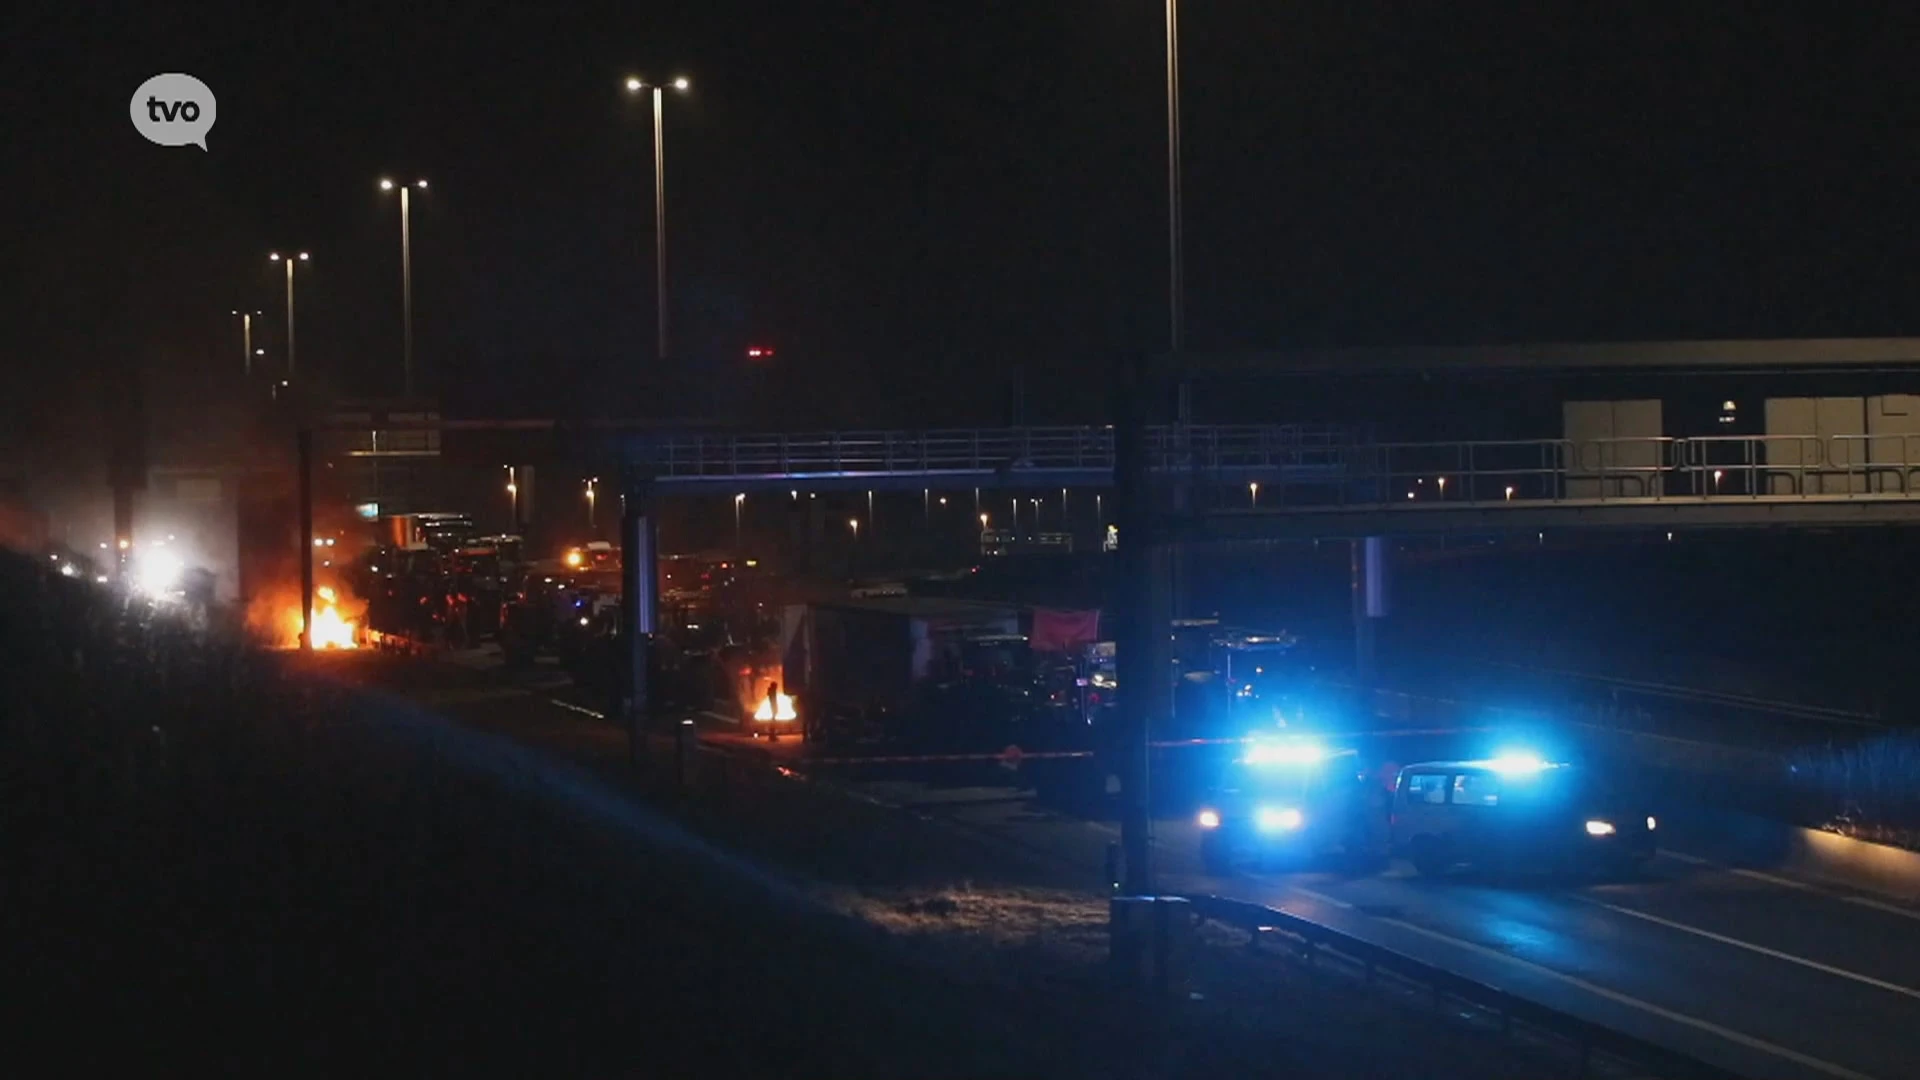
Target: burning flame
781, 708
330, 629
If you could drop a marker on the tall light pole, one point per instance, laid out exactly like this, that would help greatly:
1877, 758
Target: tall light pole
289, 259
513, 496
246, 341
1176, 300
636, 85
738, 501
592, 499
406, 279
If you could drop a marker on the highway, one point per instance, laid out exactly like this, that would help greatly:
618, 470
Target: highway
1760, 974
1765, 975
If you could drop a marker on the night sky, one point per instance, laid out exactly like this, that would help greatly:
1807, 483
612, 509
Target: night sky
914, 202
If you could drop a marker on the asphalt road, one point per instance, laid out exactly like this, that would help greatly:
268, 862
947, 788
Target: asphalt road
1765, 975
1761, 974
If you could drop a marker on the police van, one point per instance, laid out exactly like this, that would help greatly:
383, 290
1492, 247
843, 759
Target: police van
1288, 801
1516, 813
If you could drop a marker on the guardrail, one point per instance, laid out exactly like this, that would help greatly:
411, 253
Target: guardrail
1701, 468
1206, 449
1797, 710
1587, 1038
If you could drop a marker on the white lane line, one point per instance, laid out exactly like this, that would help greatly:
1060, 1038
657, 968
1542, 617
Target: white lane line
581, 709
1800, 886
1751, 947
1841, 1072
1302, 890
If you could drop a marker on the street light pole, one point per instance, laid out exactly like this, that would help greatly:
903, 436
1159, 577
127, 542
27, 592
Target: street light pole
1175, 269
246, 341
406, 279
660, 219
289, 260
635, 85
738, 501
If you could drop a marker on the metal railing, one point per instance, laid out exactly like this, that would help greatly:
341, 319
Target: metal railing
1206, 449
1317, 944
1752, 467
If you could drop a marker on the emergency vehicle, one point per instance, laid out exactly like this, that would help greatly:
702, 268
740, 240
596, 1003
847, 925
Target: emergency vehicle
1291, 801
1517, 812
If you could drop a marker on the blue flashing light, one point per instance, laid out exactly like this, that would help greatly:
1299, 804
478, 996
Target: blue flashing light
1300, 753
1518, 763
1280, 819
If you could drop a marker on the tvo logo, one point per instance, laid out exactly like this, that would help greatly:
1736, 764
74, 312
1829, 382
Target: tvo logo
173, 110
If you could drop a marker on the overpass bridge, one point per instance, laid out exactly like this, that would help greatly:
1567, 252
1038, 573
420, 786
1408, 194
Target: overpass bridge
1023, 457
1280, 482
1263, 482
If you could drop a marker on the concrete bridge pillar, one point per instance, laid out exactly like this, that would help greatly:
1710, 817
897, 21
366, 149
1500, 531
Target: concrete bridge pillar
639, 606
1370, 564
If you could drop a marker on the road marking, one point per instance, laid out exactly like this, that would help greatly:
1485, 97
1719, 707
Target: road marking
581, 709
1801, 886
470, 696
1841, 1072
1751, 947
1304, 891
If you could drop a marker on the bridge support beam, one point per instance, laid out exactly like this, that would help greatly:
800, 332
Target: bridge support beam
1143, 605
639, 607
1369, 561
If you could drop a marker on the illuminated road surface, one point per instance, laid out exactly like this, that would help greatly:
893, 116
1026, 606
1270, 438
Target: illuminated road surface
1766, 977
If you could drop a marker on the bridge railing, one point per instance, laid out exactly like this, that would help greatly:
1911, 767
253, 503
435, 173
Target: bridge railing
1656, 468
1206, 448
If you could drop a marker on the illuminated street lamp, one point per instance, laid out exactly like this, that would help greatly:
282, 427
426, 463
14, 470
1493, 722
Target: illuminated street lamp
290, 259
1443, 487
406, 278
513, 494
854, 524
636, 85
246, 341
1253, 493
983, 523
738, 501
592, 500
1509, 492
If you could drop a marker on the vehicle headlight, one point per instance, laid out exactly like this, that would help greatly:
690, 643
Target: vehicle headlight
157, 572
1651, 824
1600, 828
1275, 818
1209, 819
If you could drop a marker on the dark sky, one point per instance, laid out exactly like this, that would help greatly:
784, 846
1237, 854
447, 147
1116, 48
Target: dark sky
913, 201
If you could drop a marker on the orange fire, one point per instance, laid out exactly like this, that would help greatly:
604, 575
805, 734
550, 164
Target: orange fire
781, 708
331, 630
278, 618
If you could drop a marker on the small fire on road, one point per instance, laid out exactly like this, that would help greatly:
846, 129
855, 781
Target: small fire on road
331, 630
780, 708
276, 618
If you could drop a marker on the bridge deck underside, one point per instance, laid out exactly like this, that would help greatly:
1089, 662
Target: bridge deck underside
1273, 477
1487, 518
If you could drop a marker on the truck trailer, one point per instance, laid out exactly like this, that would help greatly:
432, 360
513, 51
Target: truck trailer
931, 672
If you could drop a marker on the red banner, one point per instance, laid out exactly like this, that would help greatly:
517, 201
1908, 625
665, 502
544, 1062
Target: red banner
1063, 631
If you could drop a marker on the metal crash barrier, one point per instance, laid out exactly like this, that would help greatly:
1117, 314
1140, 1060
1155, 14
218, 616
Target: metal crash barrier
1317, 944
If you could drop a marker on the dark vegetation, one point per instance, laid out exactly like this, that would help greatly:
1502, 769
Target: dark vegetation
220, 863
